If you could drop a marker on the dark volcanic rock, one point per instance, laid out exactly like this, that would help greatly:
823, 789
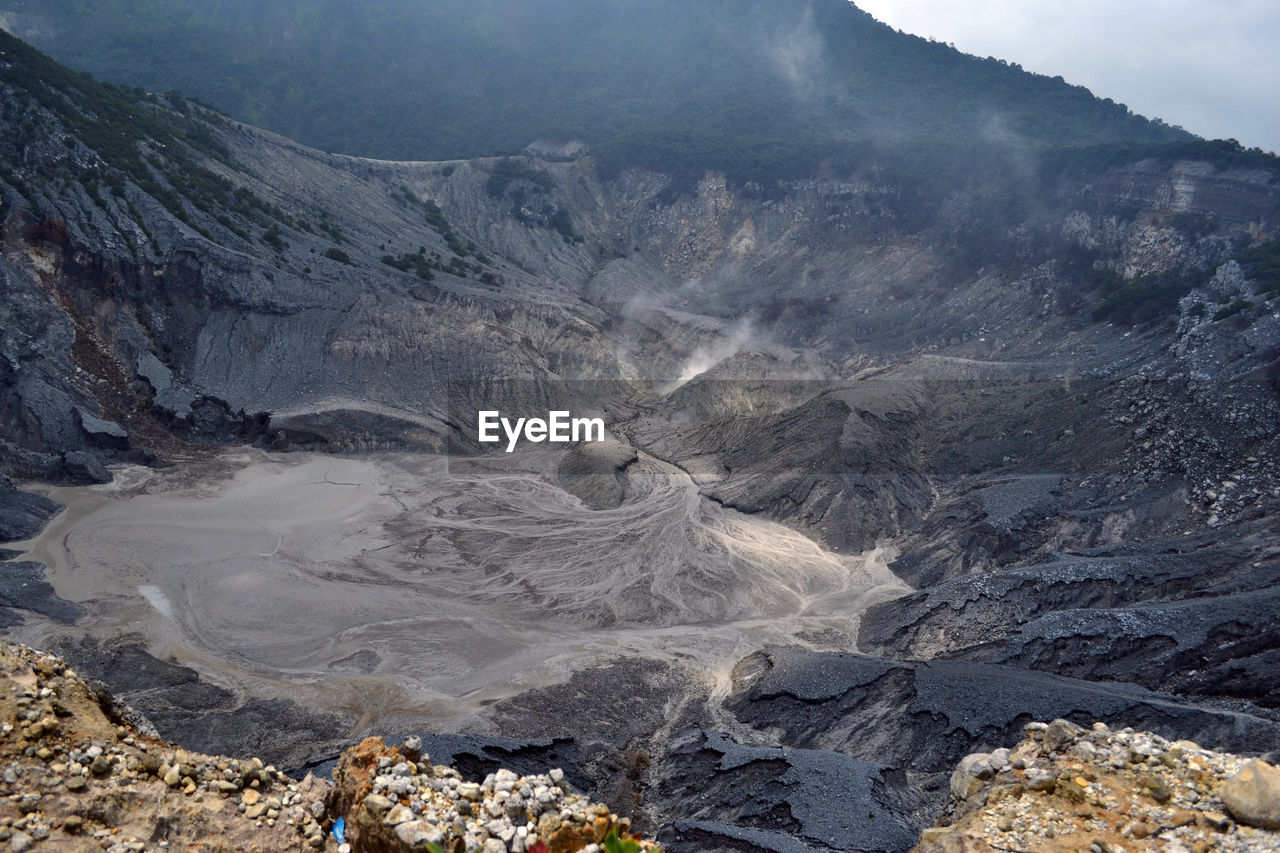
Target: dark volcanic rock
126, 665
23, 514
37, 394
32, 464
988, 523
705, 790
586, 707
202, 716
100, 433
1226, 645
210, 419
1010, 502
1199, 623
708, 836
980, 525
84, 468
926, 716
729, 796
23, 587
978, 607
348, 430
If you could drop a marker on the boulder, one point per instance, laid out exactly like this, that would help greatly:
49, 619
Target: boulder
1252, 795
83, 468
968, 774
108, 435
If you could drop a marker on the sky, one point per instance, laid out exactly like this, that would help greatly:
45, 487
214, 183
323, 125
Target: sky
1211, 67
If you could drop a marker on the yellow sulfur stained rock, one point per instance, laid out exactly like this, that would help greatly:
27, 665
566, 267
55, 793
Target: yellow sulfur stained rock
1252, 795
1171, 797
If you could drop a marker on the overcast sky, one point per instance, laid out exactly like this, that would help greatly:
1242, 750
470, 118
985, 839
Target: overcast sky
1211, 67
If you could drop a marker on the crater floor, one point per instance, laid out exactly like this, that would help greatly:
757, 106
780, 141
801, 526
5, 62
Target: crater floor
425, 587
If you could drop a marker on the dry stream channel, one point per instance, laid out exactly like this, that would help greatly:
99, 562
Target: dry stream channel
420, 586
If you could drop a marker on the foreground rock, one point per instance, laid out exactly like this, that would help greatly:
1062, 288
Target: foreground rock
79, 772
77, 776
1066, 788
1252, 795
394, 799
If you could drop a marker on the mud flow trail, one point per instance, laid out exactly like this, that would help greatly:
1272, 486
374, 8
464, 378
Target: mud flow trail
424, 585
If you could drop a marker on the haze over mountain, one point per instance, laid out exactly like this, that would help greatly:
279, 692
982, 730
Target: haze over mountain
1210, 69
758, 88
908, 444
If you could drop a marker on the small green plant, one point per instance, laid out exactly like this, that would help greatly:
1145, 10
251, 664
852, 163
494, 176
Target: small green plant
614, 843
272, 238
1232, 309
1262, 264
1146, 297
508, 171
418, 264
333, 253
459, 846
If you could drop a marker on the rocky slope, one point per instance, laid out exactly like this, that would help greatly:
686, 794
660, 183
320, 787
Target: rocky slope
82, 772
1068, 788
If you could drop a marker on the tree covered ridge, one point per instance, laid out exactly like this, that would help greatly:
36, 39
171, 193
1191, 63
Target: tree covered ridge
163, 144
765, 89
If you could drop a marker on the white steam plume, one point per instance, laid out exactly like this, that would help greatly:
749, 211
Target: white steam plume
704, 358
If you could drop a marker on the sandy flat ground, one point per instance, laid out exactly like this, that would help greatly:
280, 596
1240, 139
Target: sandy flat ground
416, 585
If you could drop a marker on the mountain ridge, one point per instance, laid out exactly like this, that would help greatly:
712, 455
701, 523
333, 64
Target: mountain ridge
741, 87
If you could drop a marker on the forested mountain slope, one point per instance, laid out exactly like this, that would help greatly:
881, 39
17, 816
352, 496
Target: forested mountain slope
761, 89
